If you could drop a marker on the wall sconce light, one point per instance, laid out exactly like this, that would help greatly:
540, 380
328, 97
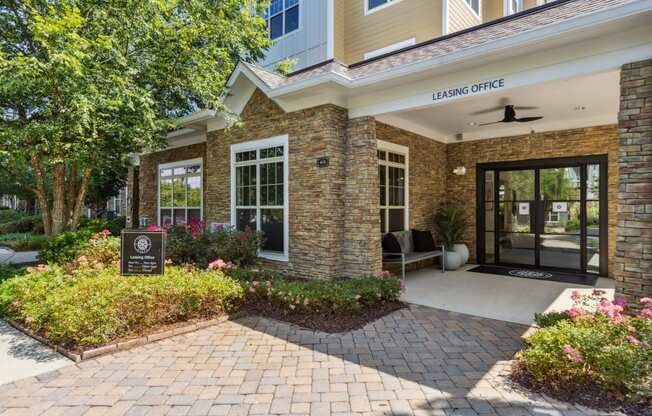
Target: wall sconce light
460, 171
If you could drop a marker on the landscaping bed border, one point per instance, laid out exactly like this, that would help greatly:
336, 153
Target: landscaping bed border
121, 345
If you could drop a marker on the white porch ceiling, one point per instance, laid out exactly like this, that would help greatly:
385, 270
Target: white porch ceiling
570, 103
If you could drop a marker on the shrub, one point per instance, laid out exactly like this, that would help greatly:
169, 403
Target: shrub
97, 306
338, 297
65, 246
115, 225
544, 320
195, 244
25, 224
601, 344
23, 241
8, 271
8, 215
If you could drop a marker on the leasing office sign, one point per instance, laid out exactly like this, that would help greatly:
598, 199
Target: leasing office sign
468, 90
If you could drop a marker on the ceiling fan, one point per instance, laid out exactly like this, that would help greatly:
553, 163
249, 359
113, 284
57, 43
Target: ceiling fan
510, 116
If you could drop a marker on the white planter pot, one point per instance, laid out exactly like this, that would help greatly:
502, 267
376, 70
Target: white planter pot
463, 251
453, 260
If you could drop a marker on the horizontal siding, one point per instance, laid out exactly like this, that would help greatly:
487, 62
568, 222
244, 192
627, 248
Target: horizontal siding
460, 16
421, 19
338, 31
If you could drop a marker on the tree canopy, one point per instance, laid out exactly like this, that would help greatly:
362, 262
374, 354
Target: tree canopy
83, 79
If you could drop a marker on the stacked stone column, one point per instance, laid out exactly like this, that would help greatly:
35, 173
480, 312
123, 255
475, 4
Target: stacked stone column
634, 230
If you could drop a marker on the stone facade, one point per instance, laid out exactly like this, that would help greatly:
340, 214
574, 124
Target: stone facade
427, 176
334, 225
316, 220
633, 259
567, 143
148, 176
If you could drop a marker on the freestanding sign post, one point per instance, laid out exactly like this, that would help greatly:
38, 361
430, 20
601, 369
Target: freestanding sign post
142, 252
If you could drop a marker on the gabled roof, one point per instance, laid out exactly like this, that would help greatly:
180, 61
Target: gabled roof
531, 20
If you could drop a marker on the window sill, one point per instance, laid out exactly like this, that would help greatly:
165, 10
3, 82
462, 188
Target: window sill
269, 255
368, 11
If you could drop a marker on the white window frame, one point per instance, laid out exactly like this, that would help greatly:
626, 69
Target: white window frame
507, 7
389, 3
478, 14
256, 145
405, 151
198, 161
390, 48
269, 21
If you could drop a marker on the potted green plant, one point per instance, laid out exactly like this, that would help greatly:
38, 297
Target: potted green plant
451, 223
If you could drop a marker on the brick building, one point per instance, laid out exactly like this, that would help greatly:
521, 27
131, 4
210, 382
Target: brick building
538, 122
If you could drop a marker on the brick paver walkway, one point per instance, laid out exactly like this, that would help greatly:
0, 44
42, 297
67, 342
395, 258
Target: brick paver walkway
417, 361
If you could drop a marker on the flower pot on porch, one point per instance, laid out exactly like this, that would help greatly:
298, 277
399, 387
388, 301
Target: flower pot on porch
452, 260
463, 251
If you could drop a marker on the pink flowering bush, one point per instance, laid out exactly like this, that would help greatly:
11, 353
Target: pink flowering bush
197, 245
599, 342
329, 297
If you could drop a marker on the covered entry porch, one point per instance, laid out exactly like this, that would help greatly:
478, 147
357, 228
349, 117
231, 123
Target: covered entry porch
504, 298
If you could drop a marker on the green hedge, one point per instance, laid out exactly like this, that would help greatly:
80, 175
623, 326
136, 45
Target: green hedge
24, 224
23, 241
94, 307
337, 297
65, 246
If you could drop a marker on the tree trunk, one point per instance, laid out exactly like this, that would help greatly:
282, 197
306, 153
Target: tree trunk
41, 195
71, 200
81, 196
59, 198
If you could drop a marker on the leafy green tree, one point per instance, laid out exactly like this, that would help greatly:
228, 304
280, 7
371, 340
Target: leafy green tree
83, 79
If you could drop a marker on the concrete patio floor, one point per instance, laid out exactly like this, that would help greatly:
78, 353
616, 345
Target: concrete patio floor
491, 296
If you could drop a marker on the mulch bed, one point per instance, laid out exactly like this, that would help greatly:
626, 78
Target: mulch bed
586, 394
329, 323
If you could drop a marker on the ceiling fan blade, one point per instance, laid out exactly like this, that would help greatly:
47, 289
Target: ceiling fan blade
527, 119
488, 124
488, 110
517, 107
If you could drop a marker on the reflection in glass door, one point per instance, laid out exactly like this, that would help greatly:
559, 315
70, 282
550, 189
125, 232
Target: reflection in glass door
549, 214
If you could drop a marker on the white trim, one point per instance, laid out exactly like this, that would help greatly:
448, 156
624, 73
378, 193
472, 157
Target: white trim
507, 7
389, 3
390, 48
330, 29
477, 14
178, 163
444, 17
283, 10
405, 151
255, 145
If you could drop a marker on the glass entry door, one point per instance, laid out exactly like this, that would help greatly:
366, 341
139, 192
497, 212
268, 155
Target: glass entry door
548, 214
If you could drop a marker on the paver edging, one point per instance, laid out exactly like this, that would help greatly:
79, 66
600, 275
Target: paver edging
122, 345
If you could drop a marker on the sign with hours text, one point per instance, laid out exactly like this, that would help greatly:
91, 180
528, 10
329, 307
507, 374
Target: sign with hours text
142, 252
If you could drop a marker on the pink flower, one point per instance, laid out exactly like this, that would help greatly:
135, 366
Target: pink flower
632, 340
152, 228
598, 292
244, 238
646, 313
306, 302
252, 289
168, 261
574, 312
254, 283
573, 354
630, 328
610, 309
219, 264
646, 300
382, 274
620, 302
357, 297
42, 267
576, 295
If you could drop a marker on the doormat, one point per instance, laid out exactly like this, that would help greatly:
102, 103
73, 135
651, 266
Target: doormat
553, 276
